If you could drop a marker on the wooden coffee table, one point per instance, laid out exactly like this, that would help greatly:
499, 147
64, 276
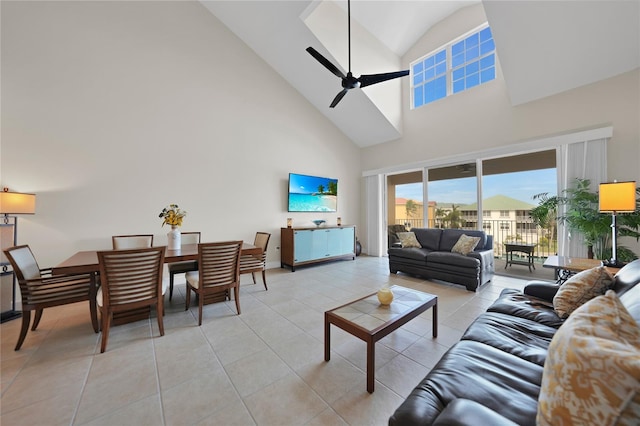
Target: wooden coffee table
370, 321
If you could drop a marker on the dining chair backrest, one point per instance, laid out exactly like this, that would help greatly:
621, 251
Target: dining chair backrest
23, 262
190, 237
219, 264
126, 242
262, 240
131, 277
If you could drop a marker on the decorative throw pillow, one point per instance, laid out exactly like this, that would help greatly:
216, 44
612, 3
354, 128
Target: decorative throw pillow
581, 288
408, 239
465, 244
592, 371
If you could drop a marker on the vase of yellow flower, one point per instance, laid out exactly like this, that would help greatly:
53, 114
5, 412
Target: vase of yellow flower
173, 216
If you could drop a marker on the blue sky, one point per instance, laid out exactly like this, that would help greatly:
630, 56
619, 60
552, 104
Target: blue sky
520, 185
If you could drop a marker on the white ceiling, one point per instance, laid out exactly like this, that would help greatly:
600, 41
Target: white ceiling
544, 47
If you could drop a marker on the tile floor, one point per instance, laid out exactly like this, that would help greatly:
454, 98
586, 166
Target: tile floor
263, 367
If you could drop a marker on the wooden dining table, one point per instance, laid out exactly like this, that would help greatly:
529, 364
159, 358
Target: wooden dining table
86, 262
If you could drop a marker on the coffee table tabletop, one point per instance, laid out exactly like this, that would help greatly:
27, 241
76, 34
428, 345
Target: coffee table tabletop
368, 320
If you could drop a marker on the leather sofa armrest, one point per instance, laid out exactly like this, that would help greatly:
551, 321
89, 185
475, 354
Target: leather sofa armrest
465, 412
541, 289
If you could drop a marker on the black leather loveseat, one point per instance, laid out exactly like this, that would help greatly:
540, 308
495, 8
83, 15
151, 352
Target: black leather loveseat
435, 260
493, 375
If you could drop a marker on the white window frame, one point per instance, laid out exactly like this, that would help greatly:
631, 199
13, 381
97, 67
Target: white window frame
449, 71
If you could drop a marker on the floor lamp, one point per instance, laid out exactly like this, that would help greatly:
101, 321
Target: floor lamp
616, 197
12, 203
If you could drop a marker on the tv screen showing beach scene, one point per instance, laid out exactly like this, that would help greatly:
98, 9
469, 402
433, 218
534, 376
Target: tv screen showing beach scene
312, 193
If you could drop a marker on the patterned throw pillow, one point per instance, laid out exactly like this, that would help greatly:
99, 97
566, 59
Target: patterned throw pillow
465, 244
592, 371
408, 239
581, 288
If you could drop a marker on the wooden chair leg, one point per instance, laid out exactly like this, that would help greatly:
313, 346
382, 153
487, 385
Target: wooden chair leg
26, 318
36, 319
200, 307
253, 275
106, 323
171, 274
187, 298
160, 313
264, 279
236, 295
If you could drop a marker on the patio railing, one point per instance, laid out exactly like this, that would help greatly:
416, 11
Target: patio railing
502, 231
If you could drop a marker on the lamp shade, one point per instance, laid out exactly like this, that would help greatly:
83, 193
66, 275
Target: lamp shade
17, 203
619, 197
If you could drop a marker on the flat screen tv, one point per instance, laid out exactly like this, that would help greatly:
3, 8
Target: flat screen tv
312, 193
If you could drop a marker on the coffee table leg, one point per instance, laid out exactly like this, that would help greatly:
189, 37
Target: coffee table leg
371, 361
435, 320
327, 339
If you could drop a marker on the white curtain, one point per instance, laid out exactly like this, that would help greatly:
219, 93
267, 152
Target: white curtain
583, 160
375, 215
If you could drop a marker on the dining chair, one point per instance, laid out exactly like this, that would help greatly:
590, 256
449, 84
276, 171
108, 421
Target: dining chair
256, 263
41, 289
218, 272
183, 267
130, 279
126, 242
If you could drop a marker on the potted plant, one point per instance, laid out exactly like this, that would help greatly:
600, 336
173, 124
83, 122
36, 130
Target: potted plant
581, 215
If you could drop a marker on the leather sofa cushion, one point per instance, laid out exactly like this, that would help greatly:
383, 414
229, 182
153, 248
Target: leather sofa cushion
513, 302
455, 259
451, 236
409, 253
463, 412
504, 383
428, 238
518, 336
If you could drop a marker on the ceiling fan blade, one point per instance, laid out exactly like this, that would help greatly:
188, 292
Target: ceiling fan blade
338, 98
369, 79
324, 61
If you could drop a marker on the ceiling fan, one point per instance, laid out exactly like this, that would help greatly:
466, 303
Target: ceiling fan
349, 81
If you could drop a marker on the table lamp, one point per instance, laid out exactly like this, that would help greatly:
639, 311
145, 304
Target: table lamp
13, 203
616, 197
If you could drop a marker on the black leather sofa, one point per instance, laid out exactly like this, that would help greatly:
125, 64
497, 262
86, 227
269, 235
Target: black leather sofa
436, 261
492, 376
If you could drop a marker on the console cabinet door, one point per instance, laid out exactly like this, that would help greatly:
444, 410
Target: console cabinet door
319, 243
302, 246
347, 240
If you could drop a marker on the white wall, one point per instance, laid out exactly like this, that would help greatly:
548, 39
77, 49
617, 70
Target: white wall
483, 117
112, 110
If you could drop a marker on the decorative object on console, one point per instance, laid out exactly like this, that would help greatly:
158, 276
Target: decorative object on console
385, 295
616, 197
12, 203
289, 222
173, 216
339, 221
319, 222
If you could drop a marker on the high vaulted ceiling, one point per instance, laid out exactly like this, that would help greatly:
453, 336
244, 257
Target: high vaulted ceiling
544, 48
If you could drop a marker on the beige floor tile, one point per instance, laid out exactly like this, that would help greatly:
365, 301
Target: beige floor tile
299, 351
233, 414
254, 372
333, 379
146, 412
426, 351
327, 418
52, 411
358, 407
180, 365
399, 374
192, 401
296, 403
